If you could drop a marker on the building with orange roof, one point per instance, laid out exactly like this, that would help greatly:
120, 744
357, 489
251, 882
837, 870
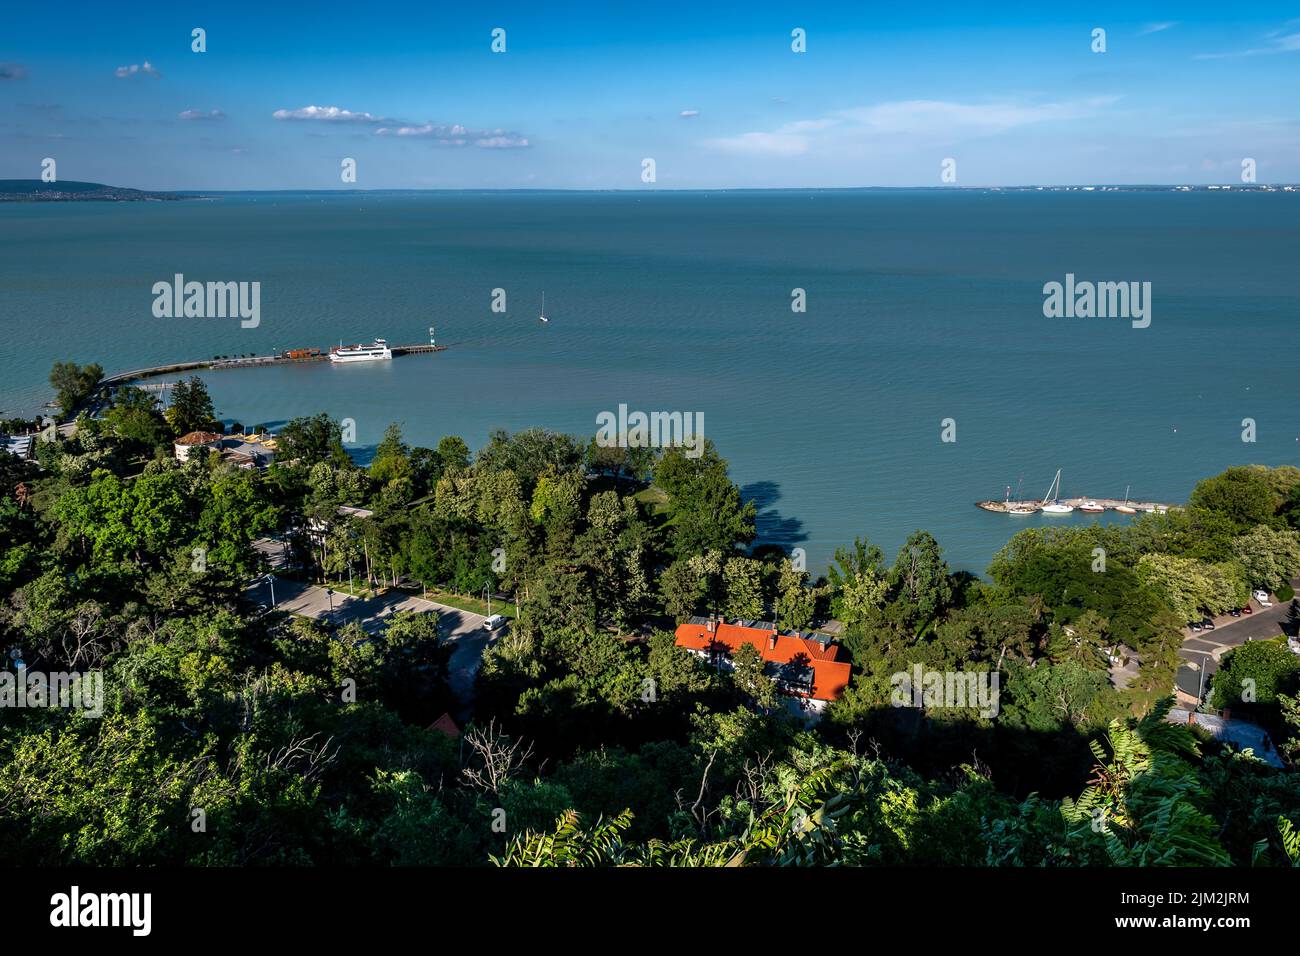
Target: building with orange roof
234, 450
446, 726
192, 440
810, 667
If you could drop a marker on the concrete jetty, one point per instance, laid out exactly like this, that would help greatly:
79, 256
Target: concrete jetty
290, 357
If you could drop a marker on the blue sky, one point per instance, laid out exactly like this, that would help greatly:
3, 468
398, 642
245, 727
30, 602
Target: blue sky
585, 91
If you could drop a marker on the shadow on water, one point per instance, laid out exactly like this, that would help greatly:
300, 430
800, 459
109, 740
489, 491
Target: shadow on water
775, 531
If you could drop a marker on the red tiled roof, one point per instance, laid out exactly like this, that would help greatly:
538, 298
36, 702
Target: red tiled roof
199, 438
445, 725
830, 673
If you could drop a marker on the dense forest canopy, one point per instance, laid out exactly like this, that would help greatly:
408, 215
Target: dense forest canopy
593, 739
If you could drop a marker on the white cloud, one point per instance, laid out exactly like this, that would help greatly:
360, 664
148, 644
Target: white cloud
1157, 27
440, 134
928, 117
329, 114
1278, 42
201, 115
687, 114
921, 120
779, 143
426, 129
501, 140
457, 135
137, 69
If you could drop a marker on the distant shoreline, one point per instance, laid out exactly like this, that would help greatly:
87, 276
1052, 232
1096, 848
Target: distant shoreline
37, 191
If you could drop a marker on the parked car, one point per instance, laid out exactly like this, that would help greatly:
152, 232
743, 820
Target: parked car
493, 622
1235, 612
1207, 624
1262, 598
1195, 625
1247, 610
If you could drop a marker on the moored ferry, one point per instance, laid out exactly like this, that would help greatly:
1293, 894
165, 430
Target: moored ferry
377, 351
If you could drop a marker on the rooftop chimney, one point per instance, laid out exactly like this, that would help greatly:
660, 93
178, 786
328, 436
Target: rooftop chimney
771, 642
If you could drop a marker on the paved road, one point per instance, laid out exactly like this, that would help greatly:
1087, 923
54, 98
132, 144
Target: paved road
1205, 648
463, 629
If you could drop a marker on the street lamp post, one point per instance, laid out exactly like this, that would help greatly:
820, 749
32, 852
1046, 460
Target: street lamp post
270, 579
487, 593
330, 593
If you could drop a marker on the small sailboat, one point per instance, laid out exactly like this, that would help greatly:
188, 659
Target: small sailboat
542, 314
1051, 504
1126, 508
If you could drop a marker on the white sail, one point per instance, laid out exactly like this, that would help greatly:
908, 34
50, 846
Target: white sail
1050, 505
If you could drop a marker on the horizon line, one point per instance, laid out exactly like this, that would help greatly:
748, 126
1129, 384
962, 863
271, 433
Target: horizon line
1245, 187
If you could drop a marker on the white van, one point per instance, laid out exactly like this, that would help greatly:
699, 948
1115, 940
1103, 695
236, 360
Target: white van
493, 622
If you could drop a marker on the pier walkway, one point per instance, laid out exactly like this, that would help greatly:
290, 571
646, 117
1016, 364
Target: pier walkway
291, 357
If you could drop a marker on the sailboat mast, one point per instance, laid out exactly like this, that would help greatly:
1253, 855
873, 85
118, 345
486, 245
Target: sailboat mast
1052, 487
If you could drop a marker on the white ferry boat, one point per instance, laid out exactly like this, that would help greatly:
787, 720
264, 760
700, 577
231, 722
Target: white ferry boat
378, 351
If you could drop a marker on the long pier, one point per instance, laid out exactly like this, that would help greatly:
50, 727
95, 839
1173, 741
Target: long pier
1107, 504
291, 357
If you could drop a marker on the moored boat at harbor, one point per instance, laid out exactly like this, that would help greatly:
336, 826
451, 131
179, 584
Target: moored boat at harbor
1052, 505
377, 351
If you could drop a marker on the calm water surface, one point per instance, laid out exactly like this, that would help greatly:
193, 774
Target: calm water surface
922, 305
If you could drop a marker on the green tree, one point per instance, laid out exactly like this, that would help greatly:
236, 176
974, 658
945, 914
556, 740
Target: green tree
312, 440
742, 579
794, 601
1183, 583
857, 582
1145, 807
1253, 676
453, 452
74, 383
683, 590
1270, 558
1244, 495
921, 574
1085, 641
750, 674
705, 510
392, 460
133, 415
191, 408
616, 550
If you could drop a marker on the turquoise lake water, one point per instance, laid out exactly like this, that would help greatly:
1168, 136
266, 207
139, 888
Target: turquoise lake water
921, 305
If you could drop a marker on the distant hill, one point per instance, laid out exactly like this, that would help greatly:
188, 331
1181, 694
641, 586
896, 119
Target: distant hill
34, 190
